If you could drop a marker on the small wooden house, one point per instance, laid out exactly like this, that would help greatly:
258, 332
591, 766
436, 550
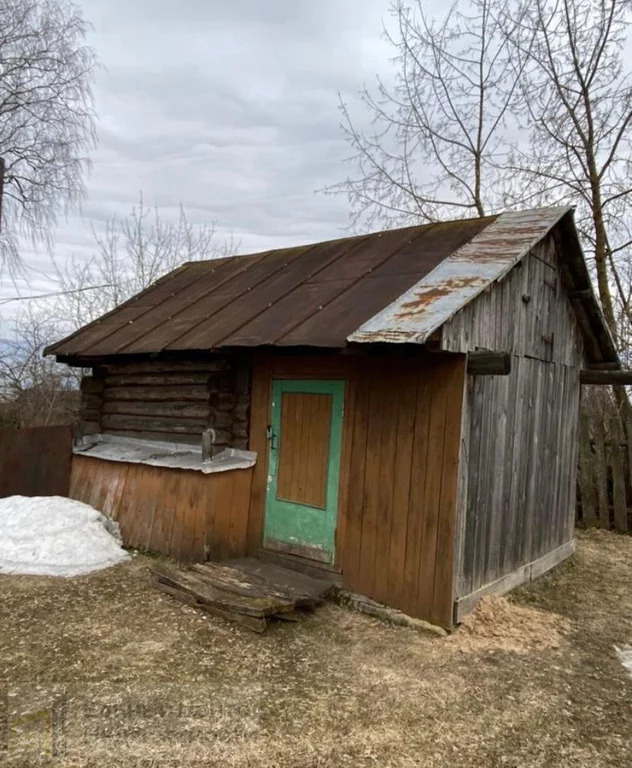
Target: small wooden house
397, 411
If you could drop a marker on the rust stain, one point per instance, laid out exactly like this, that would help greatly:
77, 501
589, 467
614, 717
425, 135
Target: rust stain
422, 300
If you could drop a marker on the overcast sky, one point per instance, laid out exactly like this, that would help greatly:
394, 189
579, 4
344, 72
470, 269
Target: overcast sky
228, 107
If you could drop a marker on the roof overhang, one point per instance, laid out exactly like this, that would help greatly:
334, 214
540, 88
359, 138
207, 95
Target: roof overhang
484, 260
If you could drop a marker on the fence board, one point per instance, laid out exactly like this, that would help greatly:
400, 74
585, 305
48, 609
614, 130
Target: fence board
35, 461
605, 464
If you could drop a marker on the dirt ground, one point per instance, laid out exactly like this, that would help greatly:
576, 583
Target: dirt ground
104, 670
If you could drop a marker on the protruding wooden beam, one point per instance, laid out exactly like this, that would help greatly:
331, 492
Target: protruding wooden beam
605, 377
482, 362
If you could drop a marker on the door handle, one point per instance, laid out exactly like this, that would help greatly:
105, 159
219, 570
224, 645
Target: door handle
271, 436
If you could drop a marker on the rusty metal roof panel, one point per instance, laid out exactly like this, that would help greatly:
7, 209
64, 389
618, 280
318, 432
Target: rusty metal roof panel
459, 278
393, 286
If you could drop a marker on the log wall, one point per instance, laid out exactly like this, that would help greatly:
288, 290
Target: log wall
185, 514
169, 400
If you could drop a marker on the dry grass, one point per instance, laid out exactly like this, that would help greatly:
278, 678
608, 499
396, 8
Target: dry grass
138, 680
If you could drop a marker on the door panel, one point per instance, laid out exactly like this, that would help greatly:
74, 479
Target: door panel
304, 466
304, 448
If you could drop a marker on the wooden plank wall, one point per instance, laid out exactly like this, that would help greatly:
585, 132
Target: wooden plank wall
519, 468
399, 471
185, 514
528, 314
605, 462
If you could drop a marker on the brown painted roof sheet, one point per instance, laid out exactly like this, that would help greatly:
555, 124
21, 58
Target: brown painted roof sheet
313, 295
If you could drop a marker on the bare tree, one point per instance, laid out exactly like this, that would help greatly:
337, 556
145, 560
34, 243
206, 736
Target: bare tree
131, 253
46, 116
506, 103
577, 99
34, 390
440, 135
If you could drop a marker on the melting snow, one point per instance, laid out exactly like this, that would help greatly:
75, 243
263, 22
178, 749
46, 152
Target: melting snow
55, 536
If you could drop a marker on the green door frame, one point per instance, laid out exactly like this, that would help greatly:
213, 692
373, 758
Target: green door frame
302, 527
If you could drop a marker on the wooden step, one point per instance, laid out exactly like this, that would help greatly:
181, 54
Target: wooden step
236, 593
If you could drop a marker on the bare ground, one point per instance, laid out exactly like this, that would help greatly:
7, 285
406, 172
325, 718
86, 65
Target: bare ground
107, 671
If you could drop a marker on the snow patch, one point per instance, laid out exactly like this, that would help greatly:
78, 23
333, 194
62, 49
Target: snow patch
56, 536
625, 657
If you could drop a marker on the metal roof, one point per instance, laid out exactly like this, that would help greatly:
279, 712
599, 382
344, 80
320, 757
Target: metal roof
459, 278
313, 295
393, 286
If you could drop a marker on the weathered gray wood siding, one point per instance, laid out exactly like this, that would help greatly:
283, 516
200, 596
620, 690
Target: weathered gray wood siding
519, 442
169, 400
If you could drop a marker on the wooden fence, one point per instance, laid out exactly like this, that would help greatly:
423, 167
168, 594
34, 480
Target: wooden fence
604, 480
35, 461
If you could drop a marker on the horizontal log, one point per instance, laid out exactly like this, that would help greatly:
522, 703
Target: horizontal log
89, 428
167, 366
91, 401
90, 385
485, 363
152, 424
171, 437
240, 430
175, 394
605, 377
220, 419
90, 414
157, 380
223, 401
240, 412
158, 409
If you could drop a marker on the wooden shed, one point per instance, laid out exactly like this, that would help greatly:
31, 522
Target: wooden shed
396, 411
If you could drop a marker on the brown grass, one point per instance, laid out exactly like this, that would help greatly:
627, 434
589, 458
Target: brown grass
135, 679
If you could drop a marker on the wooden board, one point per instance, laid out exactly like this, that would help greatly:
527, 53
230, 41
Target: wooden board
304, 447
185, 514
401, 437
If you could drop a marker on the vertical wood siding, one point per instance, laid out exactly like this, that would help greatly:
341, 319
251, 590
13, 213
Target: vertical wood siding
398, 487
521, 470
528, 313
185, 514
517, 476
304, 446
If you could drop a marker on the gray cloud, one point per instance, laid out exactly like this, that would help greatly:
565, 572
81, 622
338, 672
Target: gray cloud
228, 107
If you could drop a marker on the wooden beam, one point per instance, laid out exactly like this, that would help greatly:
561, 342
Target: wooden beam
605, 377
485, 363
463, 605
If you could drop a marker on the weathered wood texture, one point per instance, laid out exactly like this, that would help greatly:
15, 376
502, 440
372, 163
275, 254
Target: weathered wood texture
396, 511
169, 400
604, 488
520, 432
305, 429
521, 469
185, 514
527, 314
35, 461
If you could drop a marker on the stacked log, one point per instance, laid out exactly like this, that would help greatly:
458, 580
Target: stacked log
169, 400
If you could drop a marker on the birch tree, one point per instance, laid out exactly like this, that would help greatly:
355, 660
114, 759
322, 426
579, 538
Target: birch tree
46, 116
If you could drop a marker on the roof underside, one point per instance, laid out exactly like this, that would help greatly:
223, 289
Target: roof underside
393, 286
